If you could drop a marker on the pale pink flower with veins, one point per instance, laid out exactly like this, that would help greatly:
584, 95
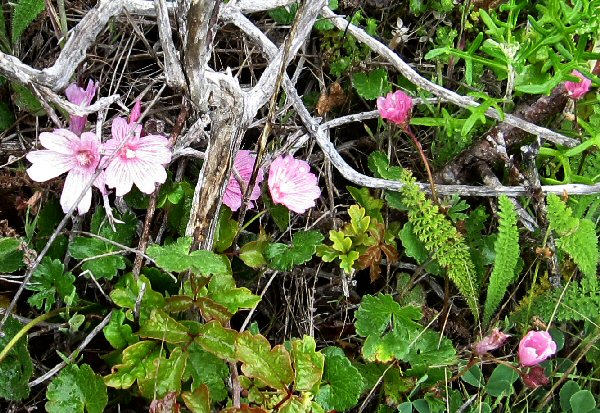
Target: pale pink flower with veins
577, 90
292, 184
81, 97
140, 161
67, 152
242, 168
495, 340
395, 107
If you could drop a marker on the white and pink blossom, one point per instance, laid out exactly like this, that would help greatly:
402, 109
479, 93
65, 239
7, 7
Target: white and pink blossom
83, 98
242, 170
292, 184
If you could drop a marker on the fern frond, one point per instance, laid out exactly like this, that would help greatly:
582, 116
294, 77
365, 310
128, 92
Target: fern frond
442, 240
507, 256
577, 237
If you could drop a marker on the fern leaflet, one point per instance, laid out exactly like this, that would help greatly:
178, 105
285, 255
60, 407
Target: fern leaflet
507, 256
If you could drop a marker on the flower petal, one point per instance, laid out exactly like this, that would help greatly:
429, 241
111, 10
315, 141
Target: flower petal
61, 141
120, 129
76, 181
119, 177
48, 165
154, 149
146, 175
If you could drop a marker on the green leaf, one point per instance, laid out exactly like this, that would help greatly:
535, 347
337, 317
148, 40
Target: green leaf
26, 101
75, 390
252, 253
359, 222
226, 230
165, 376
162, 327
582, 402
566, 391
198, 401
371, 204
371, 85
177, 258
341, 384
117, 333
284, 15
273, 367
11, 256
50, 280
218, 340
308, 363
501, 381
7, 117
126, 293
102, 267
24, 12
304, 245
507, 256
138, 363
413, 247
222, 289
341, 242
16, 369
209, 370
376, 312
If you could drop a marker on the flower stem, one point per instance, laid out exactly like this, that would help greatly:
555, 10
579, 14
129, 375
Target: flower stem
425, 161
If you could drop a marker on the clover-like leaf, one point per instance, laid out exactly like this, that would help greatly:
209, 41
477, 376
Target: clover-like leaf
341, 384
376, 312
75, 390
177, 257
16, 368
11, 256
358, 219
273, 367
371, 85
304, 245
341, 242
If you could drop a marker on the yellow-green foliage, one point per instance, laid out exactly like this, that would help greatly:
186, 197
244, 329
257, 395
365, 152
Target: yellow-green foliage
507, 256
442, 240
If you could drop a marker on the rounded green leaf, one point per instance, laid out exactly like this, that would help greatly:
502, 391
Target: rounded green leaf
582, 401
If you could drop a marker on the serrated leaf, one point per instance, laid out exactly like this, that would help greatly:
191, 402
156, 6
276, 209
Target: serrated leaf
341, 242
375, 314
137, 363
380, 166
371, 85
75, 390
160, 326
371, 204
347, 261
308, 363
11, 256
358, 219
102, 267
218, 340
50, 280
24, 12
222, 289
165, 376
118, 333
177, 258
341, 384
208, 370
16, 369
272, 367
126, 293
253, 252
304, 246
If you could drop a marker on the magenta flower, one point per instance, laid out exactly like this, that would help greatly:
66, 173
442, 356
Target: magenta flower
83, 98
67, 152
491, 342
395, 107
536, 347
242, 169
292, 184
576, 90
140, 161
136, 112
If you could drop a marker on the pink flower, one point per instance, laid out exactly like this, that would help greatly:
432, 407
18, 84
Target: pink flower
141, 160
136, 112
292, 184
536, 347
491, 342
67, 152
395, 107
83, 98
243, 166
576, 90
535, 378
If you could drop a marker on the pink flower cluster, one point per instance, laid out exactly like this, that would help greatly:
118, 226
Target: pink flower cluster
577, 90
137, 159
395, 107
290, 182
